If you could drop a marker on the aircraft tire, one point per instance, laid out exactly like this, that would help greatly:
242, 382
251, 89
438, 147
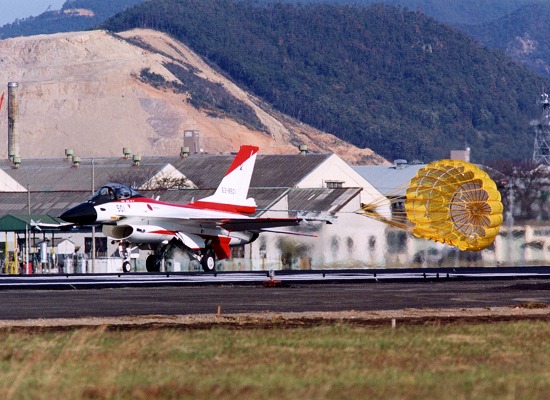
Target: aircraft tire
152, 263
208, 261
126, 267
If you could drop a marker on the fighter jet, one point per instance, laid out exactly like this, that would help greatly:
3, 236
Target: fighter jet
204, 228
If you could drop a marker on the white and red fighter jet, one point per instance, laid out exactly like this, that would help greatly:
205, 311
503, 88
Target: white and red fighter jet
205, 228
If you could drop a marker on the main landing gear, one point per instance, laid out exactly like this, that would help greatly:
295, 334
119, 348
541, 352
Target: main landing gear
206, 258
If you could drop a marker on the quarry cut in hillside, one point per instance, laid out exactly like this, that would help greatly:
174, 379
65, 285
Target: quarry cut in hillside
96, 92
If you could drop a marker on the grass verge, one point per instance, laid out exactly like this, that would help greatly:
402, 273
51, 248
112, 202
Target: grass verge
338, 361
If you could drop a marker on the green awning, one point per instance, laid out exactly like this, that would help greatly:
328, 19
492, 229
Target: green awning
21, 223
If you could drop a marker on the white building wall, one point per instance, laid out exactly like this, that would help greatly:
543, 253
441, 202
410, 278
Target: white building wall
336, 169
368, 248
8, 184
352, 241
65, 247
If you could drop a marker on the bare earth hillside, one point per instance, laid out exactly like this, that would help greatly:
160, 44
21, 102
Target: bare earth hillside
84, 91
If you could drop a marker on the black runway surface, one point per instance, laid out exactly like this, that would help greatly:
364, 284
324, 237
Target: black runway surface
252, 298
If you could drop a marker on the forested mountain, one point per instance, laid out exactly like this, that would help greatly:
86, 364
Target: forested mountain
524, 35
380, 77
449, 11
75, 15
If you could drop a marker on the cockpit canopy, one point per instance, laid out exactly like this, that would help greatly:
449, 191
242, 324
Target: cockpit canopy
112, 192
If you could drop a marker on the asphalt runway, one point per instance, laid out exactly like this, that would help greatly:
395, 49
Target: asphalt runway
252, 298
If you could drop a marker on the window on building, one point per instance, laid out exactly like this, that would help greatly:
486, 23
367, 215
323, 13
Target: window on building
263, 248
372, 243
350, 244
334, 184
397, 241
335, 246
237, 252
100, 246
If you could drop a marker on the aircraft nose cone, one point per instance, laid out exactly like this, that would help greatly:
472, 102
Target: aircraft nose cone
82, 214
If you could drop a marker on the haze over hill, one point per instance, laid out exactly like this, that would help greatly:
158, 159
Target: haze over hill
91, 91
63, 16
9, 11
448, 11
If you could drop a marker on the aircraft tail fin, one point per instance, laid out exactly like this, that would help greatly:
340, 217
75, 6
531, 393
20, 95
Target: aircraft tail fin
231, 194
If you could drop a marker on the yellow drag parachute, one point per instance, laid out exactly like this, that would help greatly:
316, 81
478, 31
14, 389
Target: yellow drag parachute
448, 201
456, 203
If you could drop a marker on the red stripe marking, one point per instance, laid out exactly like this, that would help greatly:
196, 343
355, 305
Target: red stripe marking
163, 232
198, 205
244, 154
233, 208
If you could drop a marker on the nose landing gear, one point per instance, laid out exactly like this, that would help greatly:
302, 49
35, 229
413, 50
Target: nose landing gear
124, 252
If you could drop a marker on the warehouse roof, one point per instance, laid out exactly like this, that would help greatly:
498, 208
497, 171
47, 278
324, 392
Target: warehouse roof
204, 170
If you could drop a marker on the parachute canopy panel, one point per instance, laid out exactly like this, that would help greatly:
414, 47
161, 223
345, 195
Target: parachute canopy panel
456, 203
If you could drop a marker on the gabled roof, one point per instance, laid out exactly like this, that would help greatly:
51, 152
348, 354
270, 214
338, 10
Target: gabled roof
52, 203
61, 175
271, 170
285, 170
204, 170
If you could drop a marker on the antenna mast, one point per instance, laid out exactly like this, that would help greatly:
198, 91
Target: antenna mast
541, 153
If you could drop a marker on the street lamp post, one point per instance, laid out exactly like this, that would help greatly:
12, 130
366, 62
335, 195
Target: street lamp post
93, 227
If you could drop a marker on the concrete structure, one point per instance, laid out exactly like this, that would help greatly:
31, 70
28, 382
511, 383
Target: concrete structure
191, 141
462, 155
13, 112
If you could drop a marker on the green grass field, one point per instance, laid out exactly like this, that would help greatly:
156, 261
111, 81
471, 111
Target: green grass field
505, 360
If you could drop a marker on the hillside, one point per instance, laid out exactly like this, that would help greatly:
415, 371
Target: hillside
523, 35
94, 92
379, 77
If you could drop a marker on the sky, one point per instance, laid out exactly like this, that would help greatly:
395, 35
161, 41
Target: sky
12, 9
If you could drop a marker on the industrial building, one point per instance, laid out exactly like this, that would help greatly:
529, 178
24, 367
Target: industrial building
35, 192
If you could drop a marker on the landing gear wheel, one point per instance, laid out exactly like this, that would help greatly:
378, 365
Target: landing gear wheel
126, 267
152, 263
208, 261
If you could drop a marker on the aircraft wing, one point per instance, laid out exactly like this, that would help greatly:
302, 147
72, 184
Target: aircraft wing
230, 224
258, 224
